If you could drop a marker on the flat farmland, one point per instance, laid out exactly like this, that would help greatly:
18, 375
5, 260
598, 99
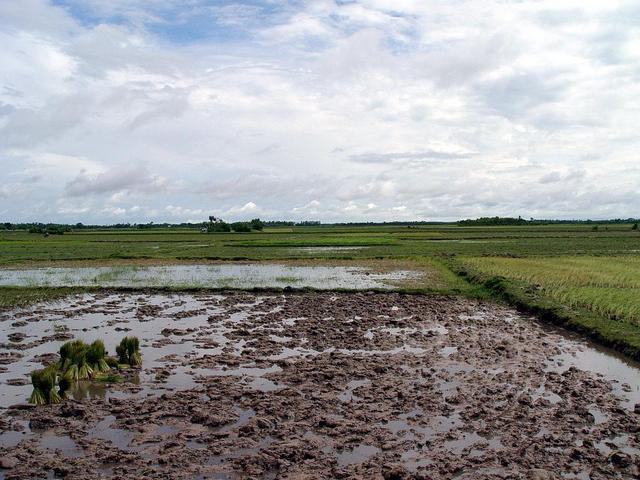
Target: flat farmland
329, 352
323, 242
587, 272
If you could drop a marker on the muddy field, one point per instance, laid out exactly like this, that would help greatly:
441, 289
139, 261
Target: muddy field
317, 386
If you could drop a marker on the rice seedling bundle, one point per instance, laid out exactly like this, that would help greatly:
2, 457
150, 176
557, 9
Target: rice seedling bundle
129, 351
79, 361
96, 354
44, 386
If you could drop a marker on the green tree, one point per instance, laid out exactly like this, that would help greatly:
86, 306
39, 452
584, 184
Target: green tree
218, 227
241, 227
256, 224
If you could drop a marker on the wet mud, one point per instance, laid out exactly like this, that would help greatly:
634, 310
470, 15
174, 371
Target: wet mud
317, 386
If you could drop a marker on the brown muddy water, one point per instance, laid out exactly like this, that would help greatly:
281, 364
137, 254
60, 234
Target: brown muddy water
319, 385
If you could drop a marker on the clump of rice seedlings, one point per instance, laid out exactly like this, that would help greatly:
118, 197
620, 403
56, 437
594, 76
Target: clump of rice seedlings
73, 359
79, 361
108, 378
72, 353
85, 372
112, 362
71, 373
129, 351
44, 386
95, 357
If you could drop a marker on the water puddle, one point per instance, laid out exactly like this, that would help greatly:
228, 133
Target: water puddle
311, 250
59, 444
11, 438
448, 351
120, 438
347, 395
622, 372
264, 385
469, 439
358, 454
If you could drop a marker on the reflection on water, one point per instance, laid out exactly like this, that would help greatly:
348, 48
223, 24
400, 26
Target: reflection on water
623, 373
85, 390
208, 276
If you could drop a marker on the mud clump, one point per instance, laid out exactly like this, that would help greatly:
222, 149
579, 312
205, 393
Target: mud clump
322, 386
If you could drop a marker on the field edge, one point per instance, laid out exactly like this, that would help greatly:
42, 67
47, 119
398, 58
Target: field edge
620, 335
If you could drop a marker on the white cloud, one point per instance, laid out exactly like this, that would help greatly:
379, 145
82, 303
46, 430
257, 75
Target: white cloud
311, 208
113, 211
182, 213
136, 180
73, 210
424, 109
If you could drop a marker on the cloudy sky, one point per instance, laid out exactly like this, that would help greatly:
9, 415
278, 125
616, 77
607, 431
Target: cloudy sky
172, 110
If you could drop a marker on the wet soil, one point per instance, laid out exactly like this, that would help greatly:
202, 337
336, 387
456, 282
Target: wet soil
317, 386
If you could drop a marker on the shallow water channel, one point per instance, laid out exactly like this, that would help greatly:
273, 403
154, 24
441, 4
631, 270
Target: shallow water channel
207, 276
355, 377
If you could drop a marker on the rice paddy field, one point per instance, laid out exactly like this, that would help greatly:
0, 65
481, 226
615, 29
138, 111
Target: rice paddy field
590, 273
326, 352
322, 242
609, 286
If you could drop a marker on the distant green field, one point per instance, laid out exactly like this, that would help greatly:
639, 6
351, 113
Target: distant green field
316, 242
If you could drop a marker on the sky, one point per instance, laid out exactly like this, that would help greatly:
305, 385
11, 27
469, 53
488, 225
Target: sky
376, 110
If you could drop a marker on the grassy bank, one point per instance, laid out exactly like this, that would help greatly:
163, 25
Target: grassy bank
608, 286
22, 296
559, 296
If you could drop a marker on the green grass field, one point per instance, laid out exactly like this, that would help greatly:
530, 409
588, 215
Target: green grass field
316, 242
591, 276
609, 286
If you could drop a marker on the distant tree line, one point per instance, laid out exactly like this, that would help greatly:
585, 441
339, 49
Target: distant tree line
488, 221
41, 228
217, 225
37, 227
495, 221
380, 224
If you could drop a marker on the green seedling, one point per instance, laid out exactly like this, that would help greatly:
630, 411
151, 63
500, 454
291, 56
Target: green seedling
129, 351
44, 386
79, 361
95, 357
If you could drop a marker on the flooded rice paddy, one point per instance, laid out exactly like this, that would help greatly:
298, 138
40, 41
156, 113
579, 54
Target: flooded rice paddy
333, 249
207, 276
320, 385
